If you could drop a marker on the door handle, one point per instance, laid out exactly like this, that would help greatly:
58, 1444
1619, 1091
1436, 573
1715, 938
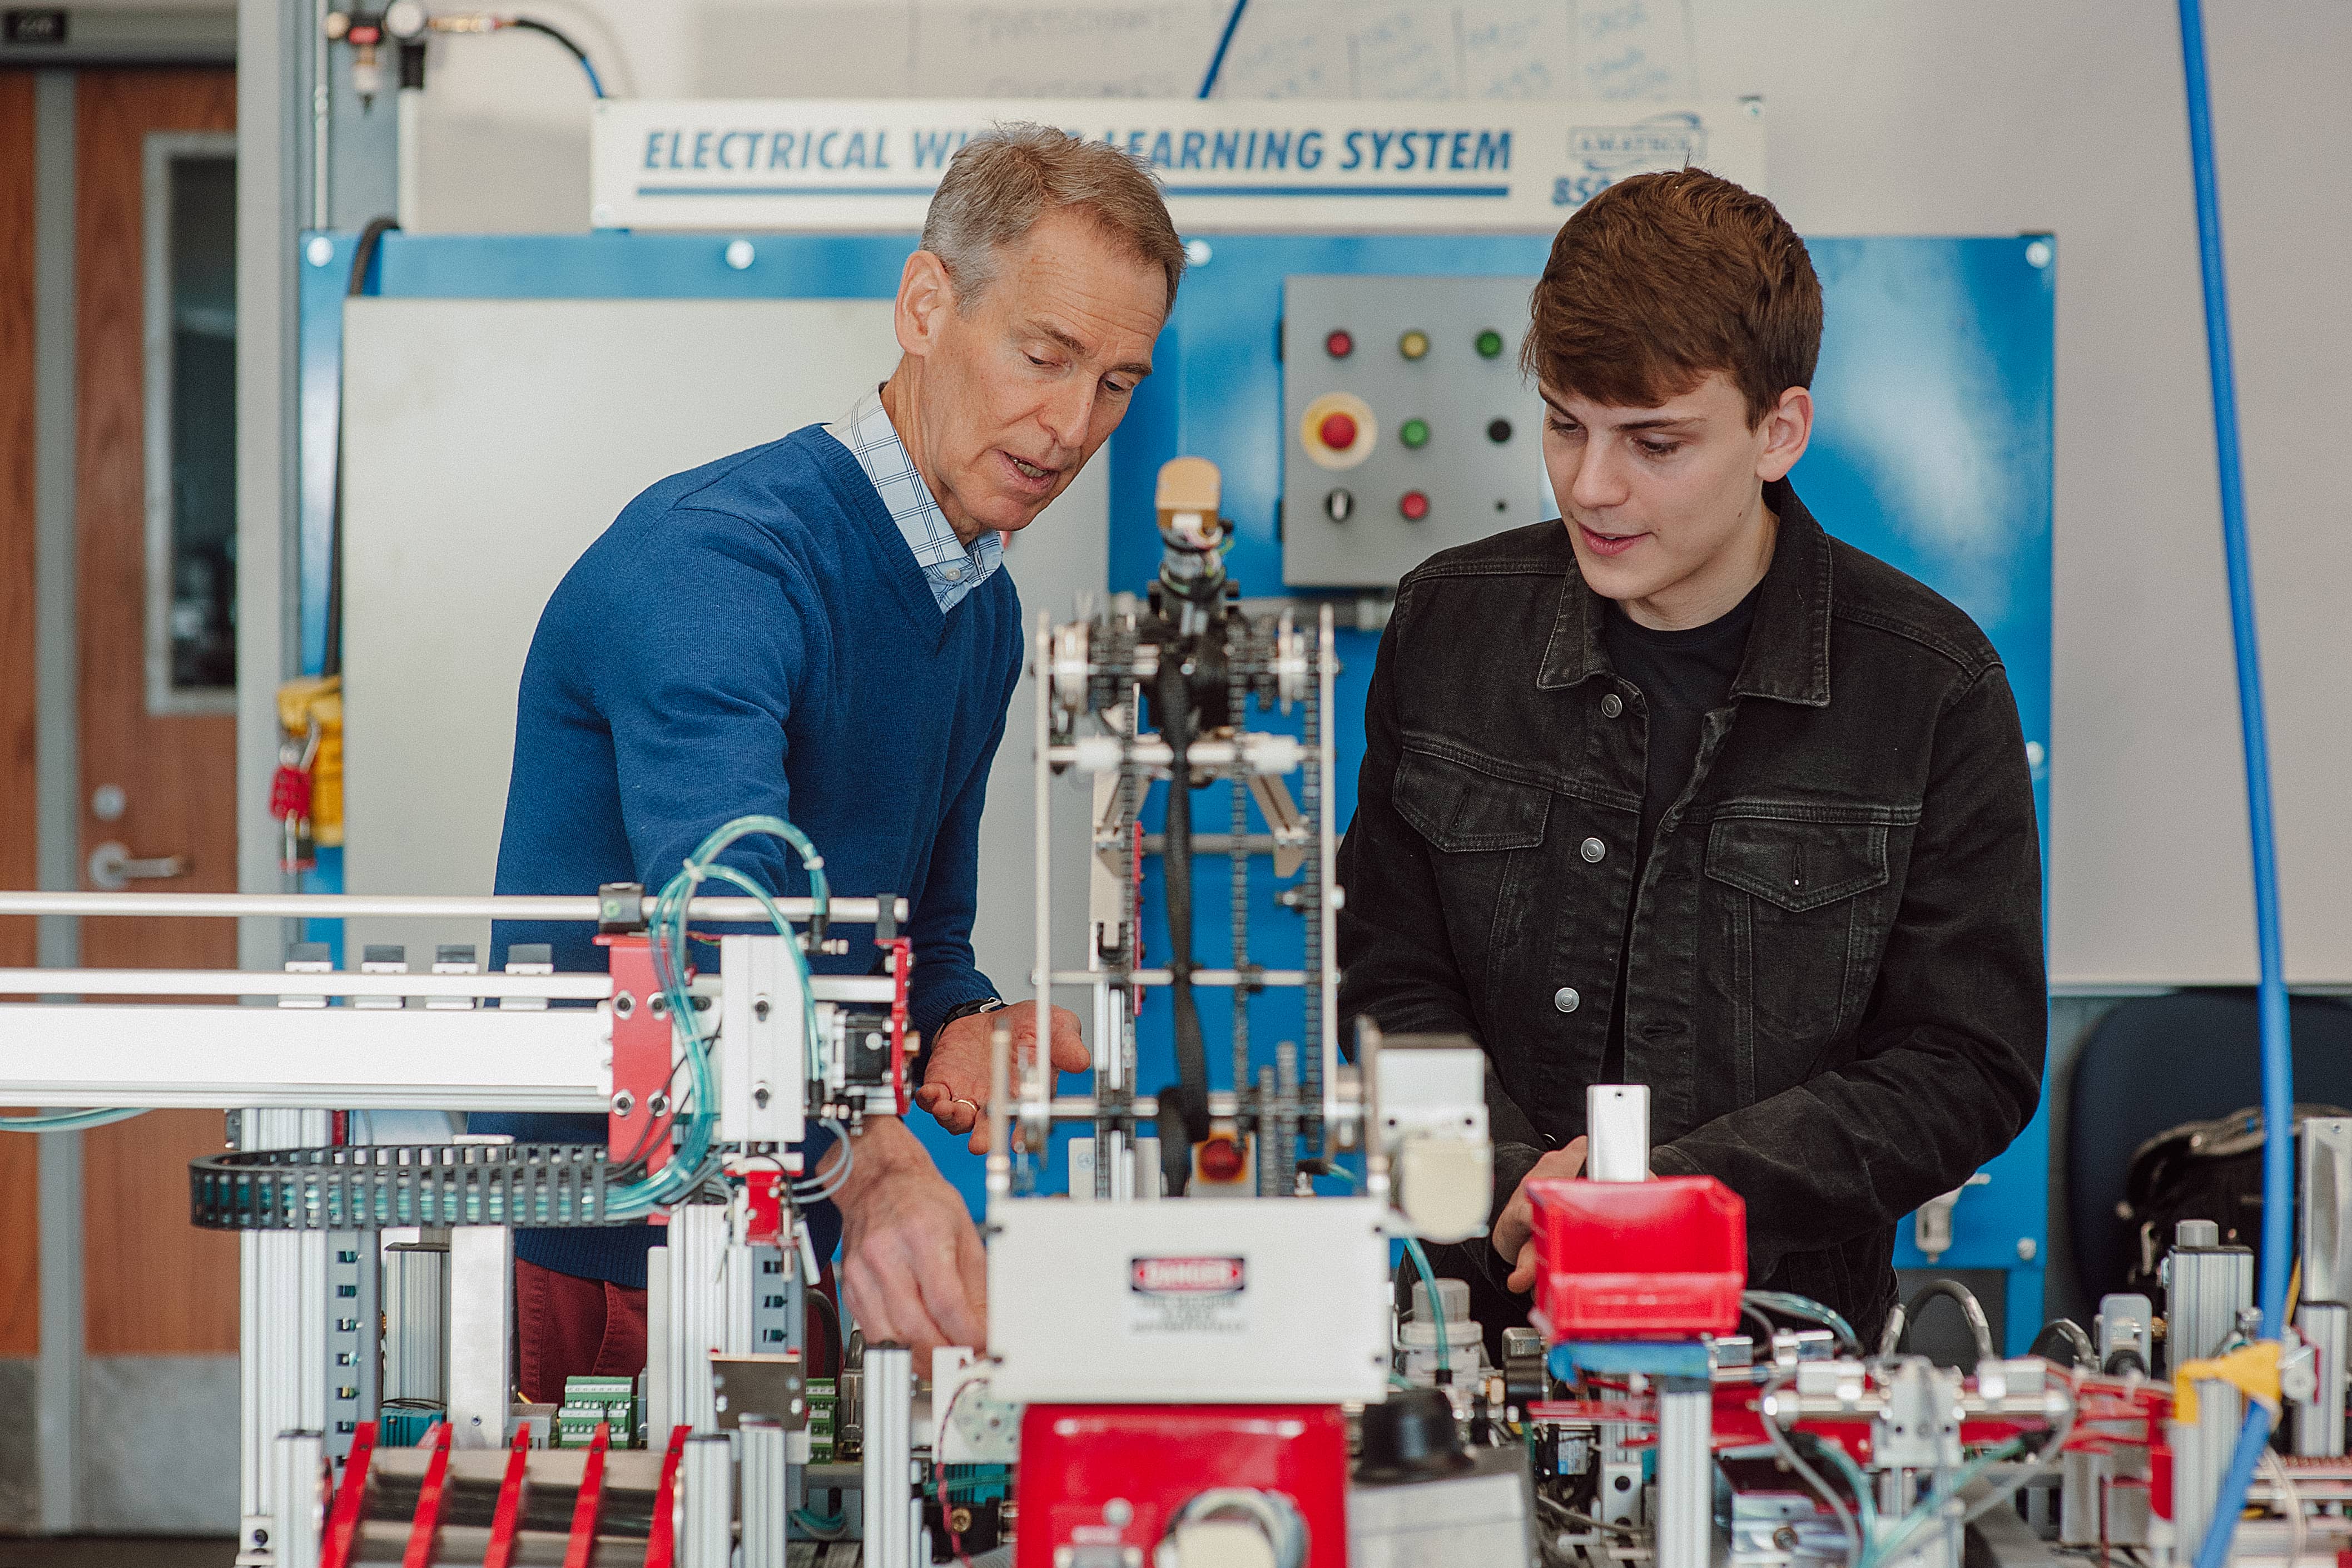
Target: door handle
113, 867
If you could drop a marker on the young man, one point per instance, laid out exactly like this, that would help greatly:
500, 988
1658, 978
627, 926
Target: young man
819, 629
1682, 790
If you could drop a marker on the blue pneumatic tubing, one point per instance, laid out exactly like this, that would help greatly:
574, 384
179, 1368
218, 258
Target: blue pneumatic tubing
2252, 1439
1224, 42
2278, 1061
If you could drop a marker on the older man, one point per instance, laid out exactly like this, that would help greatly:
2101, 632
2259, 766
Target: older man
820, 629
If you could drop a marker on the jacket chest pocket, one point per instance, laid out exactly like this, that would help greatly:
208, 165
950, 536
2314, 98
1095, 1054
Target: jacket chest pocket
1802, 918
1488, 832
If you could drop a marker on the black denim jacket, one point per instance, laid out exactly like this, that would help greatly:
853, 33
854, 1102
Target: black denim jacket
1835, 990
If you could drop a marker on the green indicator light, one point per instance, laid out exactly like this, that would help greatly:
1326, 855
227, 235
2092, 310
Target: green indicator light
1490, 344
1413, 433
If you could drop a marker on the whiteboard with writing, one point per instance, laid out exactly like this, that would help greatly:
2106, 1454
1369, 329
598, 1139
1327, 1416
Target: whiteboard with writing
1339, 165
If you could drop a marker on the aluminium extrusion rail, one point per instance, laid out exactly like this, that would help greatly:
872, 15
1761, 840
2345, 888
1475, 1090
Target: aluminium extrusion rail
341, 906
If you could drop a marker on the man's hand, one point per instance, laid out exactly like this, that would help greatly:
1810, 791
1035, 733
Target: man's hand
955, 1087
1513, 1236
911, 1261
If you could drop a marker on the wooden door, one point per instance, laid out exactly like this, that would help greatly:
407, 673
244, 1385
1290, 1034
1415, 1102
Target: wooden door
160, 782
20, 1306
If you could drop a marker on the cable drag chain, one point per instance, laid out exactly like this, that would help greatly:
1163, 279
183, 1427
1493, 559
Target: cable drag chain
551, 1186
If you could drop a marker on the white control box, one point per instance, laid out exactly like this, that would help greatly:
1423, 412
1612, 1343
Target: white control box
1191, 1301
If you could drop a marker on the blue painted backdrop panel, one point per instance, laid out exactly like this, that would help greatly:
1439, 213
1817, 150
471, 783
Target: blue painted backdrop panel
1932, 450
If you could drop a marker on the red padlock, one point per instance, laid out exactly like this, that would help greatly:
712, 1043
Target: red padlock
289, 800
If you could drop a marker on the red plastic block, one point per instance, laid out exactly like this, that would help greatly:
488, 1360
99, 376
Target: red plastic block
1074, 1459
1661, 1259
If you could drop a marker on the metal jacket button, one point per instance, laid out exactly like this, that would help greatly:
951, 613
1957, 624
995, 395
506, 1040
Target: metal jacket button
1592, 850
1612, 705
1566, 999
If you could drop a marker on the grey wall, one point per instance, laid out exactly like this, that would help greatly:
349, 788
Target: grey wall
542, 419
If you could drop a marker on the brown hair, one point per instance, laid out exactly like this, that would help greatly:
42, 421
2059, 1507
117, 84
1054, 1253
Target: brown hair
1003, 180
1662, 278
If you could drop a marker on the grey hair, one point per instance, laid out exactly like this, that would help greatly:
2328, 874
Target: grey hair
1003, 180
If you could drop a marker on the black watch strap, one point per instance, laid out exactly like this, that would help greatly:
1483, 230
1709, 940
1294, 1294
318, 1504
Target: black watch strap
966, 1009
922, 1064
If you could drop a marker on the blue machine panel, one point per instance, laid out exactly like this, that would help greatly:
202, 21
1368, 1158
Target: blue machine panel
1932, 449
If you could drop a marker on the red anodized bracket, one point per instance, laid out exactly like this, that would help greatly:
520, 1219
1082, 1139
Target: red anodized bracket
588, 1512
902, 961
643, 1057
661, 1550
429, 1502
343, 1519
509, 1517
763, 1208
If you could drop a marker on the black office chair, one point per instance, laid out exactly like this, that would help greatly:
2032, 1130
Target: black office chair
2156, 1062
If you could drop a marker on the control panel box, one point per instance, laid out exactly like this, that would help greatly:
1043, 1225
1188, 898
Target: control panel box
1407, 426
1207, 1302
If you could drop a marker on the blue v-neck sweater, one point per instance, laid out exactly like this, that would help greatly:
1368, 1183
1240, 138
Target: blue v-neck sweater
754, 636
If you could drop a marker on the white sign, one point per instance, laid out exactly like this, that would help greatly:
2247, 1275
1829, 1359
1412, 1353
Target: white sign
1187, 1296
859, 165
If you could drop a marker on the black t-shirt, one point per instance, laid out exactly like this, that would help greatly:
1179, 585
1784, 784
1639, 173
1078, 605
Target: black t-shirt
1682, 676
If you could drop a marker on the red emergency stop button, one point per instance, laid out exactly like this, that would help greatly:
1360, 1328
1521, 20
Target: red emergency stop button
1339, 344
1221, 1160
1338, 431
1414, 506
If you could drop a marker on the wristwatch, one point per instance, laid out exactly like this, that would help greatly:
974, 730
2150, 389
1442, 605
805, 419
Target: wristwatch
966, 1009
922, 1064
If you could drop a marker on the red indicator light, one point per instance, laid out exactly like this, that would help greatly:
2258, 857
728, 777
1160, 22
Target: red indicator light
1415, 506
1338, 431
1221, 1160
1339, 344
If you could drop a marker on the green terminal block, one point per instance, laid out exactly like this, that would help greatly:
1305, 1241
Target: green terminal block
823, 1400
591, 1401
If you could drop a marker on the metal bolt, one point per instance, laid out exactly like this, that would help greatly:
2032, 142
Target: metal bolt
739, 255
760, 1097
1785, 1538
2038, 254
660, 1006
760, 1009
317, 253
622, 1103
1197, 252
658, 1105
624, 1006
2026, 1248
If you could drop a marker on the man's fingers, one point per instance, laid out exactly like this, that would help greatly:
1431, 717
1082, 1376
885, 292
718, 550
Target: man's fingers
1069, 1049
1523, 1276
971, 1261
938, 1268
891, 1304
1513, 1225
978, 1144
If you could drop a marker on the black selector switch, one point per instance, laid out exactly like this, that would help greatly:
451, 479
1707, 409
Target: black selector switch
1339, 505
1499, 431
